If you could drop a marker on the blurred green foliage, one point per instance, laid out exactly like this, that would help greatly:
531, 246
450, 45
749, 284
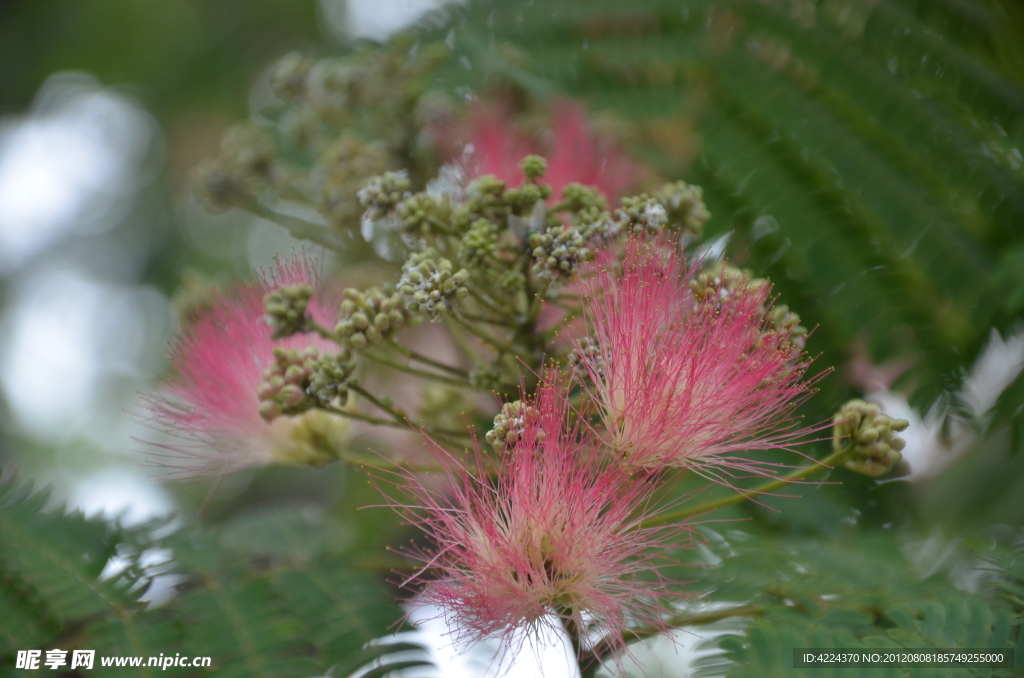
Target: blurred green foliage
177, 54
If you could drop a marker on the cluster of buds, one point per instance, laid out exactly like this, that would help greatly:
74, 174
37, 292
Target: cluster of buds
285, 309
423, 214
720, 281
487, 197
684, 205
510, 424
479, 245
787, 323
283, 389
331, 377
678, 205
301, 380
245, 167
642, 213
383, 194
586, 359
341, 173
558, 251
870, 435
369, 317
431, 286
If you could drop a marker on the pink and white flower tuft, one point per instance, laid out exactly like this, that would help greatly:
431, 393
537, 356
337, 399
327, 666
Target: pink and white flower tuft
678, 381
557, 533
210, 408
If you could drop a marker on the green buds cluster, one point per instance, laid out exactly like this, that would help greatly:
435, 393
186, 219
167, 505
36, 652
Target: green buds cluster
341, 173
677, 204
301, 380
423, 214
288, 77
685, 206
642, 213
283, 389
383, 193
369, 317
430, 286
718, 281
862, 426
243, 169
509, 425
331, 377
534, 167
557, 251
485, 198
586, 360
479, 245
787, 322
285, 310
579, 198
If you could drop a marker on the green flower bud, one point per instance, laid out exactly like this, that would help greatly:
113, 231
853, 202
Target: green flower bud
586, 360
641, 213
285, 310
423, 214
534, 167
557, 252
430, 286
685, 206
368, 317
243, 169
509, 425
330, 378
288, 76
870, 436
577, 197
383, 193
282, 390
479, 245
715, 283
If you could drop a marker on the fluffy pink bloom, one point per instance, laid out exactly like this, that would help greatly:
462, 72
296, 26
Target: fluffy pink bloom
558, 533
574, 153
210, 407
677, 381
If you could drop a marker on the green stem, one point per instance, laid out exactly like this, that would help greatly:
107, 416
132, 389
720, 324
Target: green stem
498, 345
399, 418
322, 331
484, 319
483, 301
420, 358
837, 457
422, 374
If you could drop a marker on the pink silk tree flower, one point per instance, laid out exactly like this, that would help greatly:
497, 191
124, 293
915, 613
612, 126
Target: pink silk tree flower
210, 407
680, 381
575, 154
557, 533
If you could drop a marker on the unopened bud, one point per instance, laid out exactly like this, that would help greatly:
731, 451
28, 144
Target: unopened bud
871, 437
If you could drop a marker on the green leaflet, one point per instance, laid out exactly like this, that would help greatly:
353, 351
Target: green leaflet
881, 137
286, 617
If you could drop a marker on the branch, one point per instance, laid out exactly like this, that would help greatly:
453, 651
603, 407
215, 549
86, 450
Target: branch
837, 457
420, 358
